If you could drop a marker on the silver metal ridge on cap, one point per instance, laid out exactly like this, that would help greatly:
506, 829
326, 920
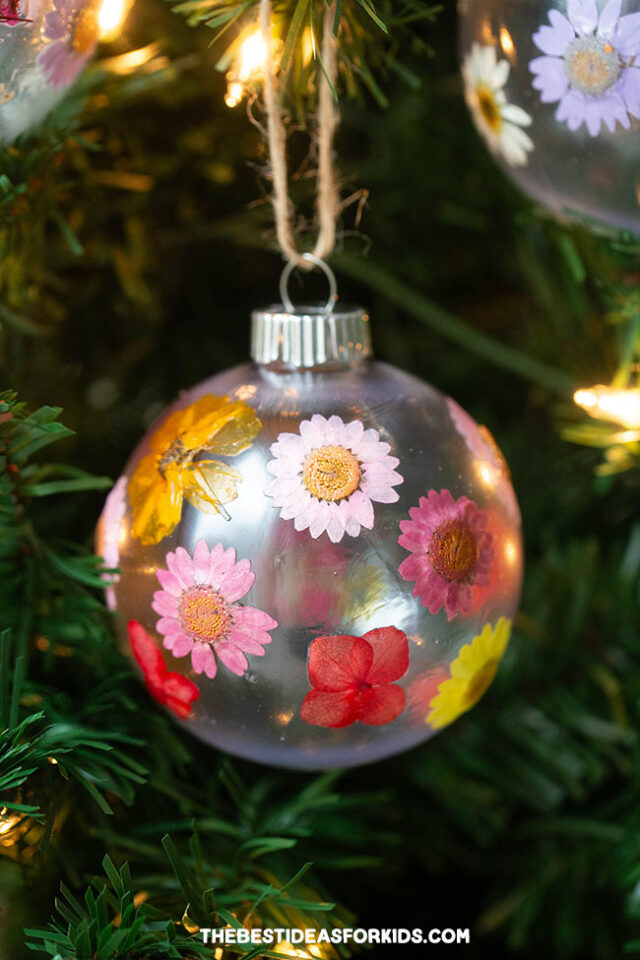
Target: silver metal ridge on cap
311, 336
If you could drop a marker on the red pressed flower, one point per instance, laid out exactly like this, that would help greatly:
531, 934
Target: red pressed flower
174, 691
353, 679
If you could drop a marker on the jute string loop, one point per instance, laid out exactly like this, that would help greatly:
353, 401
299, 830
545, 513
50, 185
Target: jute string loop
327, 201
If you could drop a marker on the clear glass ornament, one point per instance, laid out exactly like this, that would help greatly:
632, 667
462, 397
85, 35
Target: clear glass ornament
329, 641
44, 44
554, 89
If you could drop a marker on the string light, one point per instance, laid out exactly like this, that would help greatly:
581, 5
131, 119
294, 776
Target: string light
610, 403
249, 66
111, 16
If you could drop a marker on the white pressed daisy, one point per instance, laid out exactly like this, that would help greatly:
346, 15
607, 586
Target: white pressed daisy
327, 475
500, 122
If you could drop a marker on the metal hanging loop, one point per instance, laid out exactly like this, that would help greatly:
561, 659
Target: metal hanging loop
290, 266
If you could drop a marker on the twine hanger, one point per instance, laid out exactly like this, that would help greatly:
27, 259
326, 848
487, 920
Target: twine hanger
327, 200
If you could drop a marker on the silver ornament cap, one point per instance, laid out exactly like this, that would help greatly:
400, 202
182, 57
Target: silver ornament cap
310, 336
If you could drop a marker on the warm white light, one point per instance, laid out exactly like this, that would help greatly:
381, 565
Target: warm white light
253, 55
609, 403
234, 94
487, 474
249, 65
111, 16
510, 552
506, 42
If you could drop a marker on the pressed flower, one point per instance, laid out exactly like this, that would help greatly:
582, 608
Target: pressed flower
109, 536
173, 471
451, 551
491, 466
471, 674
328, 476
73, 26
10, 13
353, 678
199, 611
423, 689
500, 122
590, 65
174, 691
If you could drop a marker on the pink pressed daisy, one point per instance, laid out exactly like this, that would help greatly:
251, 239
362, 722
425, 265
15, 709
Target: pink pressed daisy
450, 551
73, 26
490, 465
109, 536
327, 476
199, 609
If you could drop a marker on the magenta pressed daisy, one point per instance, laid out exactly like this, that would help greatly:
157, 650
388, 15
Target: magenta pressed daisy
73, 26
450, 549
199, 609
590, 65
328, 475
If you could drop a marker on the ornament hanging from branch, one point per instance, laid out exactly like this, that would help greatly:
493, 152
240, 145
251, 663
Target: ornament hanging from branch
320, 556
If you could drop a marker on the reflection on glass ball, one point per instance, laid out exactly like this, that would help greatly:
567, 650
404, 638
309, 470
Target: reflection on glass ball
553, 86
44, 44
318, 568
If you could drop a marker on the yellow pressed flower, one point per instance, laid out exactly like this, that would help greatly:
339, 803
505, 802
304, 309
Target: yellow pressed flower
171, 472
472, 674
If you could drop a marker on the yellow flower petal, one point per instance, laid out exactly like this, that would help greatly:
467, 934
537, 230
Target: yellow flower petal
156, 506
162, 478
210, 484
221, 426
472, 673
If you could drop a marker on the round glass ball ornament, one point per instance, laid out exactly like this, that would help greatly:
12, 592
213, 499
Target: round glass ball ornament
553, 87
44, 44
320, 556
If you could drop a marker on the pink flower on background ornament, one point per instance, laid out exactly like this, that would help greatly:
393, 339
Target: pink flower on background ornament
590, 65
199, 609
73, 26
353, 678
114, 510
451, 551
328, 475
10, 13
171, 689
490, 465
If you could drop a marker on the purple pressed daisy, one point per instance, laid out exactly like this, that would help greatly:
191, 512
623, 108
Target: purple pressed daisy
590, 65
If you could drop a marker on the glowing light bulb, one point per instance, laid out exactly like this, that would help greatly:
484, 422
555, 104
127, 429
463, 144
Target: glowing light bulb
506, 42
252, 56
111, 16
234, 94
609, 403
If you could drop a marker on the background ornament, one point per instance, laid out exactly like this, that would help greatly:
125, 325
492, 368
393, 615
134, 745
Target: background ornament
554, 89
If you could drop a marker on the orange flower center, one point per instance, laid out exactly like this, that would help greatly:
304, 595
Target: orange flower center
453, 551
331, 473
205, 614
489, 108
176, 453
84, 29
480, 683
